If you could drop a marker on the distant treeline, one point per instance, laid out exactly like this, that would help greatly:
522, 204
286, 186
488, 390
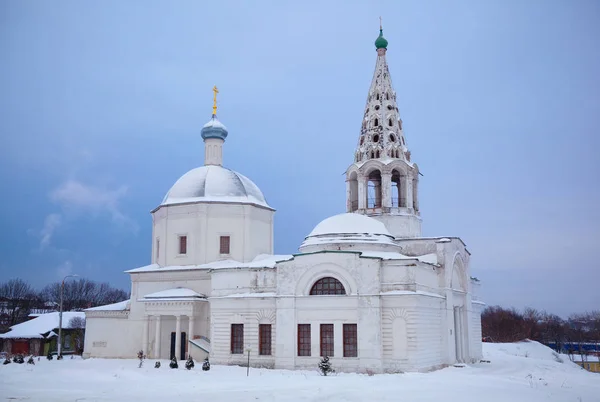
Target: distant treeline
500, 324
18, 299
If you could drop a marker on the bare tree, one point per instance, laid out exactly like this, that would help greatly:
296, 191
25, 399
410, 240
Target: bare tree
77, 324
83, 293
18, 297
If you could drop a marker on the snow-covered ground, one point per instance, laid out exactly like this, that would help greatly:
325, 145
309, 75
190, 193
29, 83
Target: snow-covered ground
526, 371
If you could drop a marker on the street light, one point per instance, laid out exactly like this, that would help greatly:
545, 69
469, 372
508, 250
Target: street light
62, 287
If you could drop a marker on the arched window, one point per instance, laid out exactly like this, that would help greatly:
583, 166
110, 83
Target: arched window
328, 286
376, 123
390, 123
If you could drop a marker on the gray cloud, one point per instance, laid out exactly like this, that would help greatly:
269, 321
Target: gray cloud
51, 223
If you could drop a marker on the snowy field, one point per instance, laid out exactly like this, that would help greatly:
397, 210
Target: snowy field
526, 371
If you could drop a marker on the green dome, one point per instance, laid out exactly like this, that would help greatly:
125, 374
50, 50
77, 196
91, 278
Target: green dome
381, 42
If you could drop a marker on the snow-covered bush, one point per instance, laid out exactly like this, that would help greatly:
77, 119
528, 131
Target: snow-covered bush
325, 366
18, 359
157, 365
189, 364
7, 361
206, 365
173, 363
49, 356
30, 360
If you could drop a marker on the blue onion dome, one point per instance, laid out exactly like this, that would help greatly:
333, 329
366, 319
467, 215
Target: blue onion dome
214, 129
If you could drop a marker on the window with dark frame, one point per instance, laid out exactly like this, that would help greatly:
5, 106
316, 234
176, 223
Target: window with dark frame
350, 340
327, 340
182, 244
237, 338
264, 339
303, 339
328, 286
224, 244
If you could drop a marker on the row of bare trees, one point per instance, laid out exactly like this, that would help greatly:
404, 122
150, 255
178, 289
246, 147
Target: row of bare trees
18, 298
509, 325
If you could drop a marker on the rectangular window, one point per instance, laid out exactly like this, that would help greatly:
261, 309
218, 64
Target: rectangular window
237, 338
327, 340
350, 341
157, 249
224, 245
182, 244
264, 339
303, 339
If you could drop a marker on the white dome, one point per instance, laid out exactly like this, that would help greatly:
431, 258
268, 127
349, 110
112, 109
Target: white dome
214, 184
349, 223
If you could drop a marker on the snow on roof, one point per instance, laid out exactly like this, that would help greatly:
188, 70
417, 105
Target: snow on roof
260, 261
44, 323
214, 122
410, 292
175, 293
213, 183
120, 306
244, 295
389, 255
349, 223
203, 343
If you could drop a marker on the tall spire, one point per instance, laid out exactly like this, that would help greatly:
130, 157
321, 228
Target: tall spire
383, 182
214, 133
381, 133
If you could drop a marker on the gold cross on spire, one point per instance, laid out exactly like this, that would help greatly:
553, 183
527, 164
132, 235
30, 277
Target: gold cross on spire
215, 92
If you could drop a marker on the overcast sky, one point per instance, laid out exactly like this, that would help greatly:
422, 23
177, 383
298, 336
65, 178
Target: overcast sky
101, 106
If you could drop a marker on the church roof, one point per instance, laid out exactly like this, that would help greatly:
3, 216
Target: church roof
174, 294
120, 306
213, 183
260, 261
349, 223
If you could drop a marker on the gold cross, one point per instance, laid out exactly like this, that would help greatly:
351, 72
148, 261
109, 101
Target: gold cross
215, 91
380, 26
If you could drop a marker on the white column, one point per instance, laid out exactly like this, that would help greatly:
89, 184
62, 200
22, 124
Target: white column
362, 192
178, 338
348, 197
157, 338
192, 321
409, 190
386, 191
145, 334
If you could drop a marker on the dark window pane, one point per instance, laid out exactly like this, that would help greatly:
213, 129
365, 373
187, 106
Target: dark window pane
237, 338
327, 340
303, 339
264, 335
350, 340
328, 286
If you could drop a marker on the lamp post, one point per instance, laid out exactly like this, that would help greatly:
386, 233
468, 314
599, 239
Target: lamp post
62, 288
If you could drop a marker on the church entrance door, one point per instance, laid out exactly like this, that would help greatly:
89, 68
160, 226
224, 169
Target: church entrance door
183, 345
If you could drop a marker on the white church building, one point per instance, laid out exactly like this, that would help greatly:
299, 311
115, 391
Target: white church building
364, 288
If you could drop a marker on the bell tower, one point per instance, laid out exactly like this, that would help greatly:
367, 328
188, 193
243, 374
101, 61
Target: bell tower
383, 181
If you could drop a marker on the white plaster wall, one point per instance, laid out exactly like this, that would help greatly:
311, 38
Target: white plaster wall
400, 225
412, 331
250, 229
150, 282
360, 277
409, 275
231, 281
250, 311
105, 336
